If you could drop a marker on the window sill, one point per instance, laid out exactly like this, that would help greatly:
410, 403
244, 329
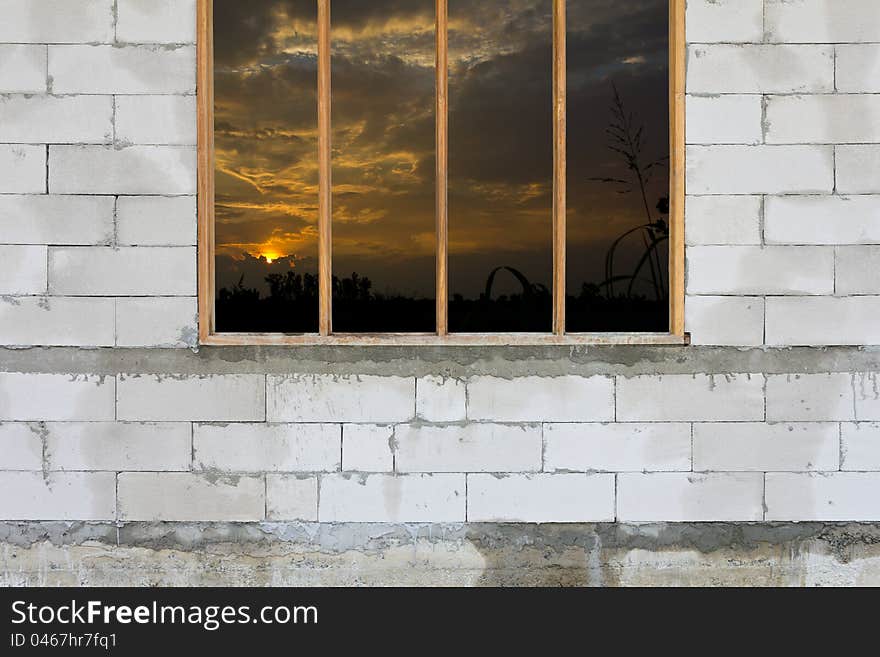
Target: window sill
455, 340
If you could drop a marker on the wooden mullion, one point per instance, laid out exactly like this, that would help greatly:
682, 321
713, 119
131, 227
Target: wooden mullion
205, 102
325, 199
442, 158
559, 166
677, 73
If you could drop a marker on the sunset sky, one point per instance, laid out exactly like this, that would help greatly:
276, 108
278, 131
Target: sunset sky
383, 136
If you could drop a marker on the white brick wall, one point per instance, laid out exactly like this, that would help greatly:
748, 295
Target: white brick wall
541, 498
132, 170
364, 399
23, 69
368, 448
812, 65
87, 69
389, 498
292, 497
62, 496
56, 21
158, 496
617, 447
98, 241
156, 21
56, 220
726, 21
691, 398
156, 220
535, 399
471, 448
682, 497
857, 168
62, 397
115, 446
759, 447
22, 169
220, 398
267, 447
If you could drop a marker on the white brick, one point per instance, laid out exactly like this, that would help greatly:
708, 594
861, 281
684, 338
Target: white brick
810, 397
541, 399
60, 496
118, 446
133, 170
441, 399
122, 70
724, 120
61, 397
156, 21
822, 220
759, 447
685, 497
291, 497
185, 497
388, 498
823, 21
156, 119
56, 321
21, 446
861, 446
617, 447
759, 69
159, 322
691, 398
22, 68
760, 270
726, 21
723, 220
825, 119
43, 219
469, 448
56, 119
858, 270
22, 169
367, 448
326, 398
725, 321
858, 68
268, 447
156, 220
210, 398
141, 271
56, 21
858, 169
823, 321
760, 169
23, 269
541, 498
867, 395
833, 497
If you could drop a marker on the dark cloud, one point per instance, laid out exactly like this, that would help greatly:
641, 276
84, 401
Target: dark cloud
383, 132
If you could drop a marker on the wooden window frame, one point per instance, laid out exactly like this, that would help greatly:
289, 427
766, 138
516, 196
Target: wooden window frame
206, 264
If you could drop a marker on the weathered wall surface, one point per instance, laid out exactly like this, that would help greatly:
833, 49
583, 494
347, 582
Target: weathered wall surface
119, 438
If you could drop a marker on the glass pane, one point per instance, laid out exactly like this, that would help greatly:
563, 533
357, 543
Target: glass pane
266, 167
618, 174
383, 166
500, 165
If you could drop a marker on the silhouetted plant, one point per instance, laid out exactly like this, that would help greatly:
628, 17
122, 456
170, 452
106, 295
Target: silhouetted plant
627, 139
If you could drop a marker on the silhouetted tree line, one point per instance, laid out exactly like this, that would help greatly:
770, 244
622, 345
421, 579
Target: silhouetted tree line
292, 307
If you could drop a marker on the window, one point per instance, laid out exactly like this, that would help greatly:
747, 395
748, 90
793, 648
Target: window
441, 171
